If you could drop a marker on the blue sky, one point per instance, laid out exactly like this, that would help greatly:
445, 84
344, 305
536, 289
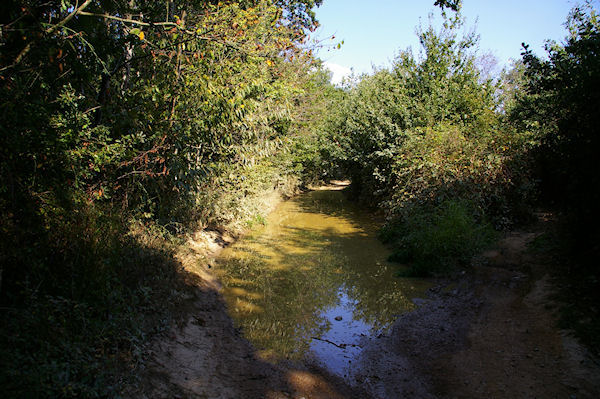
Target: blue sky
373, 31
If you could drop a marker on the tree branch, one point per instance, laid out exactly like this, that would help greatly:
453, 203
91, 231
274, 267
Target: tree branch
48, 31
128, 20
76, 11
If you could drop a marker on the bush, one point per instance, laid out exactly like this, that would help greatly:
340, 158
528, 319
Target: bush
486, 168
425, 141
561, 107
78, 302
436, 240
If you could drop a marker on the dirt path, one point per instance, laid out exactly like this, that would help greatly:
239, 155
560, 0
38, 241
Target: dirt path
205, 356
487, 332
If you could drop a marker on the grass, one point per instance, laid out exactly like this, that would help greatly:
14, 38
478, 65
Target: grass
256, 220
75, 337
80, 302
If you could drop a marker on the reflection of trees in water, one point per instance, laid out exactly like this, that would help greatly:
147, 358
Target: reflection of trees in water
277, 286
379, 299
284, 314
334, 203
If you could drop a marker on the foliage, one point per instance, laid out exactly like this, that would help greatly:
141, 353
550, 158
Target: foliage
165, 113
512, 85
438, 239
235, 197
451, 4
560, 108
159, 98
312, 152
430, 132
445, 162
88, 296
385, 109
300, 12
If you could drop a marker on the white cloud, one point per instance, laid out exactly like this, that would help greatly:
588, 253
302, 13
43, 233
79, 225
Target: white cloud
339, 72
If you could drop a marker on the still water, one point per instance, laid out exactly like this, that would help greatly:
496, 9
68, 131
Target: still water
314, 282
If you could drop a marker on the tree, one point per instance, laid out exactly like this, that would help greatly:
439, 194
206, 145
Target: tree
116, 114
440, 87
451, 4
561, 106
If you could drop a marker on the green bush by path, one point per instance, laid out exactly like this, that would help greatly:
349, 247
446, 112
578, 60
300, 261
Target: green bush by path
559, 106
79, 304
435, 240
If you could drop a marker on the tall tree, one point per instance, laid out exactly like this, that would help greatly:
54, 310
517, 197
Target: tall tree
561, 107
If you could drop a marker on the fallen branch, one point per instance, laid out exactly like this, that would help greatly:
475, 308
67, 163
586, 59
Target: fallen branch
341, 346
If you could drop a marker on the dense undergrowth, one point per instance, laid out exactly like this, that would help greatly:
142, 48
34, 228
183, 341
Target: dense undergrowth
437, 239
428, 142
84, 321
560, 105
125, 126
452, 153
455, 156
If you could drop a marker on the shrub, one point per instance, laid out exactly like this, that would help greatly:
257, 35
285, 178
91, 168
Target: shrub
78, 302
561, 107
436, 240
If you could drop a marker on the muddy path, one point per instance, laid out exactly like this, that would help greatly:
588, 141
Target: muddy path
206, 357
488, 331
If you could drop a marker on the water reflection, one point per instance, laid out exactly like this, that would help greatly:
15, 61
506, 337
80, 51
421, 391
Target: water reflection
313, 281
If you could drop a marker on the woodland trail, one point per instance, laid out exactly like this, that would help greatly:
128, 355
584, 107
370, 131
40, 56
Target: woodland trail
484, 332
490, 332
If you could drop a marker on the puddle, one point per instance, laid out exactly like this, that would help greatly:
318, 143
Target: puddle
314, 282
